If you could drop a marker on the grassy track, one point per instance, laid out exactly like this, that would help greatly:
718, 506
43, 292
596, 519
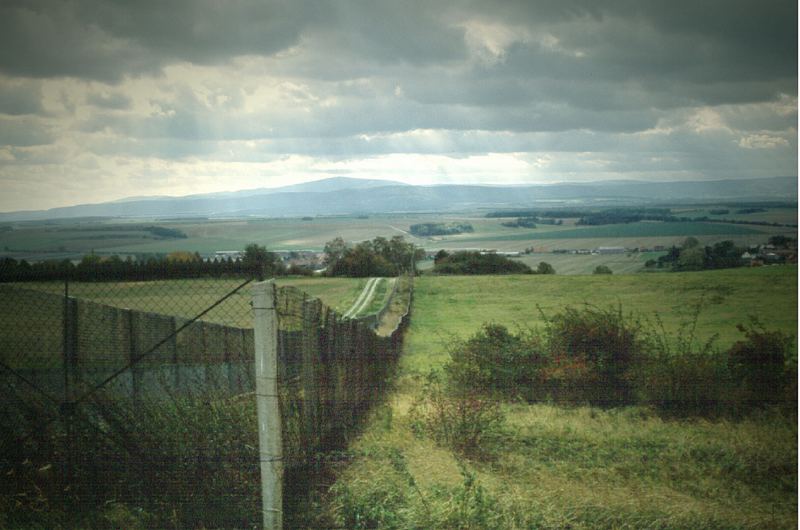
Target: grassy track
363, 299
580, 467
380, 297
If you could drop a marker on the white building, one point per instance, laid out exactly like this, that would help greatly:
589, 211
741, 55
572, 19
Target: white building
611, 250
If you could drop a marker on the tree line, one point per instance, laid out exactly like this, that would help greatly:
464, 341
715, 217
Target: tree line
96, 268
377, 257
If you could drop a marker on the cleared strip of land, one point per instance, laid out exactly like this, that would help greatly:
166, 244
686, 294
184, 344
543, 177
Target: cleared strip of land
363, 299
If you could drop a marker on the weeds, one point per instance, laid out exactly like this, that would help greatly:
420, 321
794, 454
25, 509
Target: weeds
466, 421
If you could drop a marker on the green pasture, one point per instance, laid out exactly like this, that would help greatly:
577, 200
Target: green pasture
642, 229
57, 240
576, 467
457, 305
188, 298
586, 263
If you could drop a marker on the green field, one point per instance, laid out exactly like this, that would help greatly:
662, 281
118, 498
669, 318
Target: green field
458, 305
643, 229
577, 467
72, 239
187, 298
586, 263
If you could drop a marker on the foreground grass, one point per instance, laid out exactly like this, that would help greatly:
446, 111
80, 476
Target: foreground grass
579, 467
555, 467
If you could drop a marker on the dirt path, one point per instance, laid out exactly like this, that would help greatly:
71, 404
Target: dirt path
363, 299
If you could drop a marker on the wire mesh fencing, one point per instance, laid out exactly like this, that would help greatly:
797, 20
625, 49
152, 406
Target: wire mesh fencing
128, 396
330, 372
135, 400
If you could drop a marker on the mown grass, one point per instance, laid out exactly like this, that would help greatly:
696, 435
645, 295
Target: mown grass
576, 467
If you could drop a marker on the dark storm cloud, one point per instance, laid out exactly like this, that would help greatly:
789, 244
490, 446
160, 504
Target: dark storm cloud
96, 39
102, 40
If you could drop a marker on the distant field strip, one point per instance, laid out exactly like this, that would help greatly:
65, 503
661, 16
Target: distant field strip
364, 298
654, 229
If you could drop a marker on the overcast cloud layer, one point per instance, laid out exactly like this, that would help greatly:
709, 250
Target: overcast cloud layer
105, 99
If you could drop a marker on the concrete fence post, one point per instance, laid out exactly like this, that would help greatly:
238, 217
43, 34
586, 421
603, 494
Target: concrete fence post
265, 324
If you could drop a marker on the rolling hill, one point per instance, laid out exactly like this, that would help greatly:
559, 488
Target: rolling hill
341, 195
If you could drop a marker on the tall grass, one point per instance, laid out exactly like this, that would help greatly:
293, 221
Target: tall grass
574, 465
187, 462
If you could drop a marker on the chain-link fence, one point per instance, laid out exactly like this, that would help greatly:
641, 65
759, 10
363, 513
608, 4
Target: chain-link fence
123, 396
330, 371
133, 401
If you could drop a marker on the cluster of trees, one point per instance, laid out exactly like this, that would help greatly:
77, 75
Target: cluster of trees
531, 222
165, 233
539, 214
691, 256
379, 257
521, 222
471, 262
627, 215
439, 229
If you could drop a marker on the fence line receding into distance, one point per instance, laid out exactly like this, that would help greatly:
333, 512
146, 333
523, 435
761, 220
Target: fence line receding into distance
144, 393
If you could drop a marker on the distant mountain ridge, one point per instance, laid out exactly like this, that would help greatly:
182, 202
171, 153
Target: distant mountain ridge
342, 195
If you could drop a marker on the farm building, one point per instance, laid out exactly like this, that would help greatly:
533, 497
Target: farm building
611, 250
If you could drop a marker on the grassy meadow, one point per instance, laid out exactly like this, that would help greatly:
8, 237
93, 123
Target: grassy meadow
576, 466
447, 306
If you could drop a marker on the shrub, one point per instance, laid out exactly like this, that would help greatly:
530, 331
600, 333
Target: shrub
758, 364
690, 383
497, 361
545, 268
570, 380
596, 347
602, 269
464, 420
465, 262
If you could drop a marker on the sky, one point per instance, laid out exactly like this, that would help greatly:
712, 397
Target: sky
101, 100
